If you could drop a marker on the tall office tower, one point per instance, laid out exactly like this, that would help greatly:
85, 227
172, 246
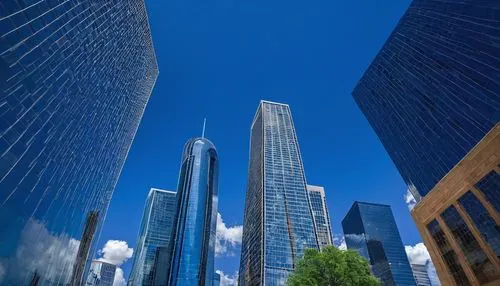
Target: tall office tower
420, 274
278, 220
370, 229
193, 243
75, 77
432, 95
154, 235
101, 274
320, 213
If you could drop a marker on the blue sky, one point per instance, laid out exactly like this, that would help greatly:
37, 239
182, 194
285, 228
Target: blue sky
218, 59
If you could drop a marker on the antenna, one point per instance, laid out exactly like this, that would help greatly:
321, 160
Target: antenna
204, 123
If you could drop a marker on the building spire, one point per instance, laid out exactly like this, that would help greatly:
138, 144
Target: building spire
204, 123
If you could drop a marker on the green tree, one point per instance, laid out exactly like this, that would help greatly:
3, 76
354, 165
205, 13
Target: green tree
332, 267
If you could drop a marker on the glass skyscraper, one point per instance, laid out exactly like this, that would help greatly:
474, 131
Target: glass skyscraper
154, 237
101, 274
75, 77
432, 92
193, 240
370, 229
432, 95
278, 220
321, 216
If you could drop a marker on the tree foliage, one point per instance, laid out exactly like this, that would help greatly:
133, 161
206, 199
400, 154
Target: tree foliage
332, 267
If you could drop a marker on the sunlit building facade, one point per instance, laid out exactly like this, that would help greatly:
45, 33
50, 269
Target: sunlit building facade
193, 238
370, 229
154, 238
278, 220
101, 274
432, 95
321, 217
75, 77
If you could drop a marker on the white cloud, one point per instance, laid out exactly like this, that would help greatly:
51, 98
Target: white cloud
410, 200
418, 254
119, 278
227, 237
226, 280
339, 241
116, 252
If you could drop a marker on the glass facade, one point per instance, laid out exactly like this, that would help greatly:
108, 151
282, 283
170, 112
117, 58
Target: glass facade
490, 187
490, 231
101, 274
321, 216
278, 220
482, 267
431, 94
193, 243
448, 254
370, 230
154, 237
420, 274
75, 77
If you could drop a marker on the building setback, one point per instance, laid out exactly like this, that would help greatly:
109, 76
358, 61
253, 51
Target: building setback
193, 239
154, 238
75, 77
370, 230
101, 274
420, 274
432, 95
278, 220
321, 217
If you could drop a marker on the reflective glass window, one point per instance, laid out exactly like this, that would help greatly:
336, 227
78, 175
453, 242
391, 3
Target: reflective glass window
489, 230
484, 270
447, 253
489, 185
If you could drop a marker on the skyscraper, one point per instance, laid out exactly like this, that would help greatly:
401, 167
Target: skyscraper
75, 77
420, 274
370, 229
101, 274
154, 237
432, 95
278, 220
320, 213
193, 244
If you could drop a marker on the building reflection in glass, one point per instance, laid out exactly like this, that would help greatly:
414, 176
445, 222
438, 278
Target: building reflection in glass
75, 77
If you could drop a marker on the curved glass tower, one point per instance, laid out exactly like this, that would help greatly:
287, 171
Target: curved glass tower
193, 241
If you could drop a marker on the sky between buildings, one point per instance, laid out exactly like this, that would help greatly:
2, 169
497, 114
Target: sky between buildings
218, 59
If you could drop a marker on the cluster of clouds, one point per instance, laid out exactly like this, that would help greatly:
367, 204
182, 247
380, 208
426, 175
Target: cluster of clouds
227, 238
116, 252
228, 280
410, 200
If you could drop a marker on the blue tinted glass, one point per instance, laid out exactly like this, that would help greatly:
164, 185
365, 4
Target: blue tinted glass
371, 230
490, 187
320, 213
75, 77
193, 243
484, 270
154, 235
431, 94
488, 228
288, 221
449, 256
